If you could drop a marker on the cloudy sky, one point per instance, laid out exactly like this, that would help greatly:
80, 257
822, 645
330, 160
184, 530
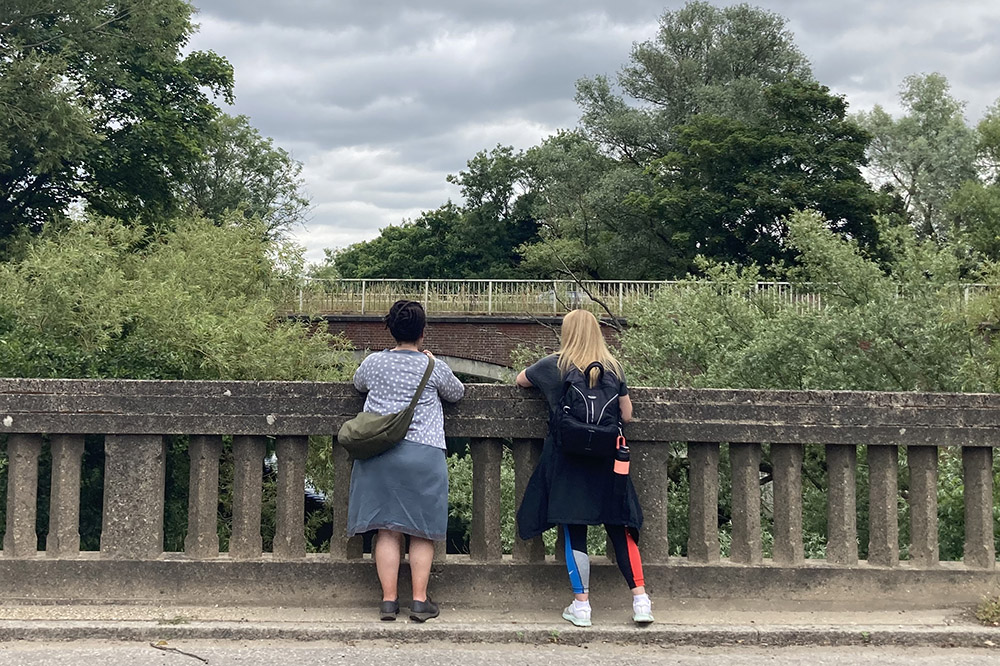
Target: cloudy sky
381, 99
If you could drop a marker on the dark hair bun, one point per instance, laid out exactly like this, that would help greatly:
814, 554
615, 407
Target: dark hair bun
406, 321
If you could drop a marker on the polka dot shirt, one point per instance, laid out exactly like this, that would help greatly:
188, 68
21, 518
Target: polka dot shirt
391, 378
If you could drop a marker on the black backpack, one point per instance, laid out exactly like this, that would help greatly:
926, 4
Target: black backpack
590, 420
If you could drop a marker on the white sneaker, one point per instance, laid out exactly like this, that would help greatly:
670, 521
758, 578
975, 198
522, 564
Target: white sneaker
578, 616
642, 609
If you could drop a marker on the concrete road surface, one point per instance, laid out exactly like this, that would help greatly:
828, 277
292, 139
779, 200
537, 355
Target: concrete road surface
383, 653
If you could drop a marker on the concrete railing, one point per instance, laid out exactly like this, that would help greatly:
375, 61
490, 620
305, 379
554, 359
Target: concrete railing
134, 417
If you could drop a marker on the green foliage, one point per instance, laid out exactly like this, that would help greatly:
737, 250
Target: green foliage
476, 240
723, 135
198, 301
906, 324
100, 104
704, 59
988, 611
240, 170
722, 331
974, 210
724, 189
101, 299
926, 154
460, 497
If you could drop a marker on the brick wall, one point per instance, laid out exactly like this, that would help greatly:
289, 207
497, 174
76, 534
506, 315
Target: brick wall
486, 339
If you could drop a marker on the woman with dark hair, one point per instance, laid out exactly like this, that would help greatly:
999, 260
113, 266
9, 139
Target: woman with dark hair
404, 491
574, 491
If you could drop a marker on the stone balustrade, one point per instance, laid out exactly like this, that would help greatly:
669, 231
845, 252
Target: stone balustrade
134, 417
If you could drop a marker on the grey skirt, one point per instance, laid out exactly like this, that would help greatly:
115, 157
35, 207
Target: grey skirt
404, 490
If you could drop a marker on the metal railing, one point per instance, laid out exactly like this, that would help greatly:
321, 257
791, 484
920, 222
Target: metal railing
530, 297
498, 297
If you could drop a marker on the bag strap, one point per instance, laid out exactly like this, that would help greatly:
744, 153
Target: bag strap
423, 383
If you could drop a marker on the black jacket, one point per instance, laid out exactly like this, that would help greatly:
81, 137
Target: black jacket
572, 489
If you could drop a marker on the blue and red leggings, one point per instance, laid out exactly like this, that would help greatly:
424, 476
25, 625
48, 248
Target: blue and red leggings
578, 562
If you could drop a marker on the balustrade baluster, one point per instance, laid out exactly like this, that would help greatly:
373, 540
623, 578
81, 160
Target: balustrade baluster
290, 517
923, 466
786, 460
20, 539
485, 541
526, 455
648, 468
202, 538
977, 475
63, 539
342, 547
745, 463
703, 505
134, 486
883, 506
841, 508
245, 542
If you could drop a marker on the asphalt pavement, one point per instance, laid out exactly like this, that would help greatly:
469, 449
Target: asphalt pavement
382, 653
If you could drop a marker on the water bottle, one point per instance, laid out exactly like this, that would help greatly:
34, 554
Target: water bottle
621, 456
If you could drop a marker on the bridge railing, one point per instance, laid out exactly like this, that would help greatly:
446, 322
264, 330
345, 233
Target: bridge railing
135, 416
531, 297
500, 297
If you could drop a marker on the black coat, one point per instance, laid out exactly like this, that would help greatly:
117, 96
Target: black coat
576, 490
572, 489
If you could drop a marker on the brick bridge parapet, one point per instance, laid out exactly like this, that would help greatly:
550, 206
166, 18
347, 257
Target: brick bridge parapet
490, 340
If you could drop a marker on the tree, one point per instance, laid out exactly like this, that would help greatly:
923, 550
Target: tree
100, 106
724, 332
728, 185
577, 200
104, 299
242, 171
903, 324
476, 240
197, 301
988, 145
705, 59
415, 249
724, 135
926, 154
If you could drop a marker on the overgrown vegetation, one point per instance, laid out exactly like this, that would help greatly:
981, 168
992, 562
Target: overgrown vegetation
902, 322
102, 299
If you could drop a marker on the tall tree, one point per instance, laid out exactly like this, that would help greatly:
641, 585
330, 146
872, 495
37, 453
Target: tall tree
725, 190
240, 170
720, 132
705, 59
926, 154
974, 208
100, 106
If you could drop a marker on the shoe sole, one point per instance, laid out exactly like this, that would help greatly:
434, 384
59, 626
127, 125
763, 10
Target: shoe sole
423, 617
388, 617
576, 620
642, 619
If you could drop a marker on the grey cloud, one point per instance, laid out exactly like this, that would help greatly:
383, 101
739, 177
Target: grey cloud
400, 94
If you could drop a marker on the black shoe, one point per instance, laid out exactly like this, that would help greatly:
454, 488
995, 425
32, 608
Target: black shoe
388, 610
421, 611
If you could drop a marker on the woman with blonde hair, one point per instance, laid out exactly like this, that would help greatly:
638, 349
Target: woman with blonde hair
571, 490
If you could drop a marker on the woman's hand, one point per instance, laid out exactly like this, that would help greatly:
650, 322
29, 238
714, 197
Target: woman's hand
427, 352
